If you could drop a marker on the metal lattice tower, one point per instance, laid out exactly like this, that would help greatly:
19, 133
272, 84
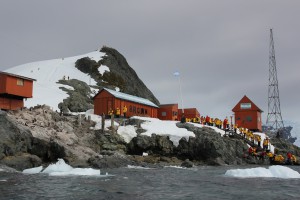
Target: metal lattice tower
274, 118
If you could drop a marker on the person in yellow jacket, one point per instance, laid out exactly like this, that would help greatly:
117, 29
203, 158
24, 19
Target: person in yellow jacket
118, 112
124, 111
235, 127
110, 112
266, 143
258, 139
279, 158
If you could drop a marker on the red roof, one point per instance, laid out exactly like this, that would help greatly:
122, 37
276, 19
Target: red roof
17, 76
245, 104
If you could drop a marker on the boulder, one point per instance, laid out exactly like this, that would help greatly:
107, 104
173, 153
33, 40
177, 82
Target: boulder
22, 161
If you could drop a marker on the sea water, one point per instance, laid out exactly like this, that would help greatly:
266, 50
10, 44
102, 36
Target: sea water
136, 182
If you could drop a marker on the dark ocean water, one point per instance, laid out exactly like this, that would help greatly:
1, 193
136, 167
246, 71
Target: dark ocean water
162, 183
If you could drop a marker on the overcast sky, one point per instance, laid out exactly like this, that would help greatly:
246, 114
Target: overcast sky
219, 47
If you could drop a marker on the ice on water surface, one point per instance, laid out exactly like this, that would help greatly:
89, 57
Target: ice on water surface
272, 172
60, 168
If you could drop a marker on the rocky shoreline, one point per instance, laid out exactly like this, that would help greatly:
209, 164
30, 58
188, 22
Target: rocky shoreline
39, 136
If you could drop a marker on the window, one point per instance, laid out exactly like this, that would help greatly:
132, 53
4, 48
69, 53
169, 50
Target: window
145, 111
138, 110
249, 118
20, 82
163, 114
130, 108
245, 105
134, 109
142, 110
174, 113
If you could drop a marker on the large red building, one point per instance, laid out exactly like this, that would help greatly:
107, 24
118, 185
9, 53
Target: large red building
168, 112
107, 99
13, 89
247, 115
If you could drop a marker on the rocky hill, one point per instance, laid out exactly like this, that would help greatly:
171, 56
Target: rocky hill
69, 84
38, 136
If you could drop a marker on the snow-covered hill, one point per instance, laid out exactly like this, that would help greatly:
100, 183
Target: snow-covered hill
47, 73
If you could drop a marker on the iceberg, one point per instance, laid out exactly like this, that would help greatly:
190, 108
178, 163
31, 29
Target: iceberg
272, 172
34, 170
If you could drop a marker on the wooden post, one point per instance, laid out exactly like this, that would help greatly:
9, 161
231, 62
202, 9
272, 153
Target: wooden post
112, 123
103, 122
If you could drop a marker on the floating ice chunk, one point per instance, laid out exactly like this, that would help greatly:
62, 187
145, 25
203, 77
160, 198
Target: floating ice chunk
34, 170
137, 167
273, 171
60, 166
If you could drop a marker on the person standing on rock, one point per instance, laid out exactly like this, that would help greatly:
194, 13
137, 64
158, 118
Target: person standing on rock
183, 119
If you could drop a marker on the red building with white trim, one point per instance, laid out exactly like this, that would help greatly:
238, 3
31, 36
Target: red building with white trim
107, 99
247, 115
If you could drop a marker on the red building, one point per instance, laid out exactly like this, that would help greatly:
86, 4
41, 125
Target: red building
247, 115
13, 89
189, 113
107, 99
168, 112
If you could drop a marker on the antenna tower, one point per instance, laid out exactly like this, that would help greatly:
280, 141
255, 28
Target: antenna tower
274, 118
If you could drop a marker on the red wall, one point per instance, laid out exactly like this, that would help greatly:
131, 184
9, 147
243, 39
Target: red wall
104, 101
8, 85
243, 120
171, 111
188, 113
10, 104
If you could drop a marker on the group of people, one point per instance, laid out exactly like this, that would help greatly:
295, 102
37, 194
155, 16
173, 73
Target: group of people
256, 149
117, 112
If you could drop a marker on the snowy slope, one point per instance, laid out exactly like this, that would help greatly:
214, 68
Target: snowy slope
47, 73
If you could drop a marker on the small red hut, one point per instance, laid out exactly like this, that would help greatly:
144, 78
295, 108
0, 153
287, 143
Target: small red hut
247, 115
189, 113
13, 89
168, 112
107, 99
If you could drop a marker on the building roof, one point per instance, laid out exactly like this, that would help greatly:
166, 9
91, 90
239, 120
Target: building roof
129, 97
246, 100
17, 76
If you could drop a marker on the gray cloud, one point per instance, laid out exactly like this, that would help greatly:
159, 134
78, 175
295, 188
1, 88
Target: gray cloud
220, 48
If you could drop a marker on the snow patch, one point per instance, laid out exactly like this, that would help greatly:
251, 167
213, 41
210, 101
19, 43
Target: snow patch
165, 128
102, 69
127, 132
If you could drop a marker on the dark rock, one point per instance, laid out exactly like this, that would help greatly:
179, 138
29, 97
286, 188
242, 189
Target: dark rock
22, 161
155, 144
187, 163
125, 77
113, 161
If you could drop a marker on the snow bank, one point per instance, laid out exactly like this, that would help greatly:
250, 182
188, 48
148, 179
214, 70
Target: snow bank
273, 171
167, 128
60, 168
127, 132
